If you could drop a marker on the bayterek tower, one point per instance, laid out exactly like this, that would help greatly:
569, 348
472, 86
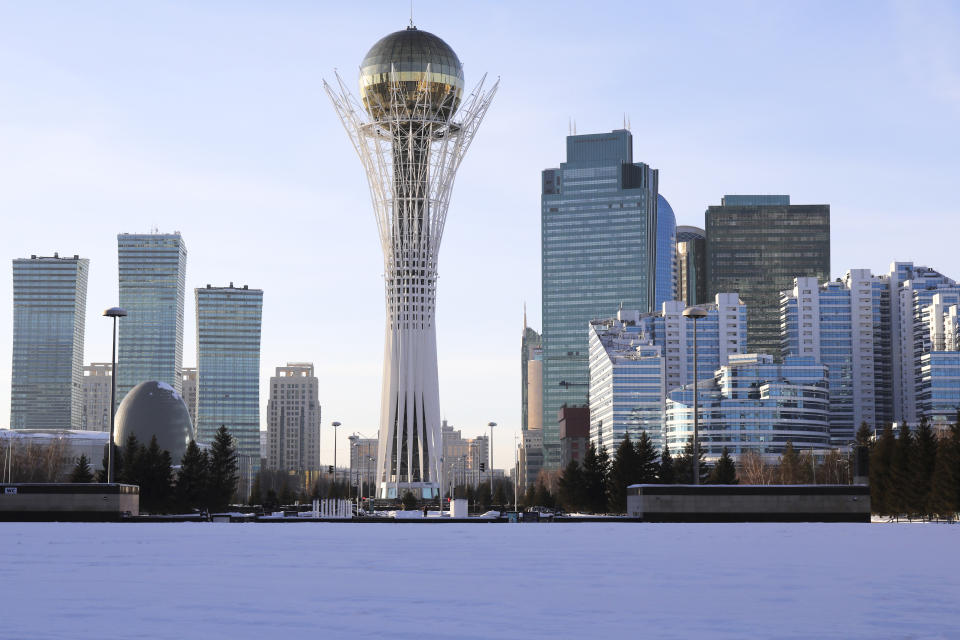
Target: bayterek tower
411, 128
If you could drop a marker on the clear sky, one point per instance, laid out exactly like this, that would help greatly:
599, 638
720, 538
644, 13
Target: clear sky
210, 118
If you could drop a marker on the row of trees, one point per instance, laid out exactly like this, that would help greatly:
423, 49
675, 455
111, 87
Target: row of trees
915, 474
205, 480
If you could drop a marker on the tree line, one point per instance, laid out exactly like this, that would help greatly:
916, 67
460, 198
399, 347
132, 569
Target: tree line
205, 480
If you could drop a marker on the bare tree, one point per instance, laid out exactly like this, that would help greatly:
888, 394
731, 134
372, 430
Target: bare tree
752, 469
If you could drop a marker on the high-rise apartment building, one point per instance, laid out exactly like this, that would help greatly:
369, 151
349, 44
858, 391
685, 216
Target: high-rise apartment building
228, 370
188, 379
666, 269
293, 419
529, 458
152, 273
49, 307
97, 378
846, 326
599, 252
691, 286
756, 246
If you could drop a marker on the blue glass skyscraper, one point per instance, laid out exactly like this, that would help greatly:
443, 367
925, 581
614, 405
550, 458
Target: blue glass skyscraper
599, 248
49, 307
152, 270
666, 270
228, 369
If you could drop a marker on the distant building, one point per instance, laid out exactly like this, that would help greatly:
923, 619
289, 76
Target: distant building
363, 461
228, 371
753, 404
530, 458
462, 457
293, 419
599, 251
49, 313
62, 448
756, 246
152, 273
666, 269
189, 393
97, 377
691, 286
531, 378
574, 433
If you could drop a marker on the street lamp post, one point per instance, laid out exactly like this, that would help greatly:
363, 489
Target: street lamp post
696, 313
335, 424
113, 312
490, 469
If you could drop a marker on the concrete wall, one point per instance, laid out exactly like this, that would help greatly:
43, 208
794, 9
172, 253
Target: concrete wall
745, 503
65, 501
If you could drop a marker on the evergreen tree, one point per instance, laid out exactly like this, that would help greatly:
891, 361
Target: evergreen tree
530, 497
623, 471
542, 496
81, 472
645, 454
683, 465
191, 487
571, 487
881, 459
944, 500
499, 495
223, 478
923, 463
409, 501
789, 469
154, 471
724, 472
900, 487
595, 480
127, 467
864, 435
667, 470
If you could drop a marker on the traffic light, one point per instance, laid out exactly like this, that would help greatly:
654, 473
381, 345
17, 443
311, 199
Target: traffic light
329, 468
483, 466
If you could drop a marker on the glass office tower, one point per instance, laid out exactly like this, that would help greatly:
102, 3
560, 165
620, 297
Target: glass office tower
152, 270
49, 307
666, 270
228, 369
599, 249
691, 286
756, 246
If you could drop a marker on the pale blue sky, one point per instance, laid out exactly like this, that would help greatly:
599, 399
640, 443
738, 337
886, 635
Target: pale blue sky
209, 118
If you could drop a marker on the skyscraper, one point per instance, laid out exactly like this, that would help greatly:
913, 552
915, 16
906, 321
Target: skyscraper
756, 246
411, 133
97, 379
599, 251
293, 419
49, 307
666, 270
189, 392
531, 377
228, 370
691, 287
152, 269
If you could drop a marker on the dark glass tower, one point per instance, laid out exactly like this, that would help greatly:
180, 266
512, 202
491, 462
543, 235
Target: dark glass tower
691, 284
599, 250
756, 246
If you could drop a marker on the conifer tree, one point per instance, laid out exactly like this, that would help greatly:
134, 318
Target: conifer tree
154, 473
788, 471
900, 481
530, 497
645, 454
191, 488
724, 472
683, 465
571, 488
881, 459
623, 470
864, 435
595, 479
81, 472
923, 463
127, 468
667, 471
542, 496
944, 499
223, 478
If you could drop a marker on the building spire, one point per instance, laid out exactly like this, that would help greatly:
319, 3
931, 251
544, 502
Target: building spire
524, 317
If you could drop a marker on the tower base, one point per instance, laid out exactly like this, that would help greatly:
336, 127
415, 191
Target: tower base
395, 490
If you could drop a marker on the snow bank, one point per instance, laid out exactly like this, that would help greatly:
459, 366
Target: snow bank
512, 580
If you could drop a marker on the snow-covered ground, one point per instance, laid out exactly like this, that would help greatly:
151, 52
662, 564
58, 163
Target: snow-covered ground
339, 580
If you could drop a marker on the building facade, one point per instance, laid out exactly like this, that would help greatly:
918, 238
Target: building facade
529, 458
293, 419
97, 378
49, 315
228, 370
666, 255
691, 286
574, 433
599, 252
189, 392
152, 274
756, 246
531, 379
753, 404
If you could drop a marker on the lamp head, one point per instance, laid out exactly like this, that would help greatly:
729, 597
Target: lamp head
694, 312
115, 312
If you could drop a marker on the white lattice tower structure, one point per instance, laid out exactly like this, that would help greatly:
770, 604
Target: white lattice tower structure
411, 132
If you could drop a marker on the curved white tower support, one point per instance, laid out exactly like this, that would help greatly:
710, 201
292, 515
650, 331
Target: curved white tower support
410, 152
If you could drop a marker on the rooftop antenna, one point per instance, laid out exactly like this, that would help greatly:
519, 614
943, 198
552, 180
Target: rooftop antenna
574, 127
628, 123
624, 119
411, 15
569, 126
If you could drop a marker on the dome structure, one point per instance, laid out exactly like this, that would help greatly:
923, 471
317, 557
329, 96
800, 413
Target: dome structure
155, 409
426, 72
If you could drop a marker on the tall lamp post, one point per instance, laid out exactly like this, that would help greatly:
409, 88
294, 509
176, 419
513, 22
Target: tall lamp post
490, 469
113, 312
696, 313
335, 425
